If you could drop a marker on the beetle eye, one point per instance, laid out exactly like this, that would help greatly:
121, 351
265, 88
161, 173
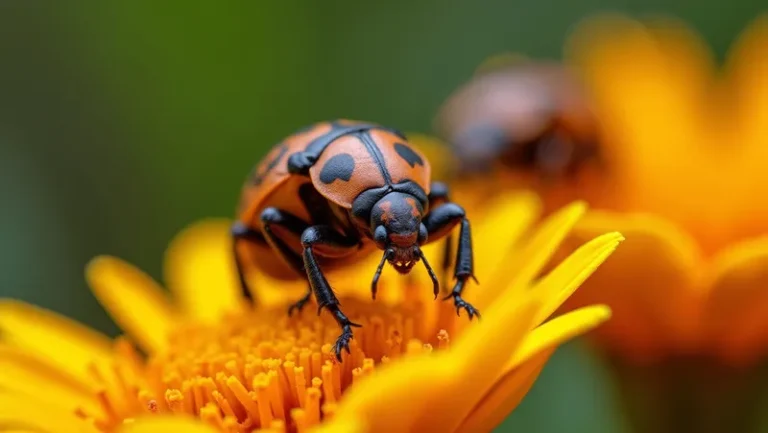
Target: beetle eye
380, 237
423, 234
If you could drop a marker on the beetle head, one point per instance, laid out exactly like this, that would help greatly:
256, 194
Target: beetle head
397, 229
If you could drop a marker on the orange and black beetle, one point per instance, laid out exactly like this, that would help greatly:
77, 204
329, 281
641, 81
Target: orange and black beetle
524, 115
332, 193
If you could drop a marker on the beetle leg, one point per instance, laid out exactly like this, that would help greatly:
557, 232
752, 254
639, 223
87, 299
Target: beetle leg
439, 222
328, 239
273, 218
438, 195
300, 163
241, 231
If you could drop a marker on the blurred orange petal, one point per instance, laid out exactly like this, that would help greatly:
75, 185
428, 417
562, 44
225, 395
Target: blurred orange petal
649, 282
736, 311
747, 78
649, 97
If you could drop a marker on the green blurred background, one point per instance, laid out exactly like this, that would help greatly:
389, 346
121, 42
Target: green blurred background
121, 122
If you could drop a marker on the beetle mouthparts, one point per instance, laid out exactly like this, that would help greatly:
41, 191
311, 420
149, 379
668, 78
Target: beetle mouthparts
403, 266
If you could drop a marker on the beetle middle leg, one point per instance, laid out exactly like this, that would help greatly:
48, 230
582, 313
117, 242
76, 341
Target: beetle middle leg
439, 222
325, 238
279, 225
272, 218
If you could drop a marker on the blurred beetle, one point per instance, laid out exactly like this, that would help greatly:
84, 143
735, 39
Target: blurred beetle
523, 116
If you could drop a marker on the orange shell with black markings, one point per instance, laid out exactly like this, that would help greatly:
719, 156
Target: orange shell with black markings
264, 186
379, 156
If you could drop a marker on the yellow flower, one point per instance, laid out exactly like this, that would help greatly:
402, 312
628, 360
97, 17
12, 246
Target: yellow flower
688, 148
214, 364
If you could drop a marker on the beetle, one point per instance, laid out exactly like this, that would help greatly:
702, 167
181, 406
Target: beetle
522, 115
334, 192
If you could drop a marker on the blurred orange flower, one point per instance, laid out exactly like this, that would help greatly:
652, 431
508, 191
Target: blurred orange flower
688, 147
215, 365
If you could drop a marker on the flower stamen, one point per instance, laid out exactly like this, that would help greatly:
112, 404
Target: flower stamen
246, 373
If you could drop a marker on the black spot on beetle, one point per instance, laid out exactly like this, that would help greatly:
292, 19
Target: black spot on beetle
339, 166
258, 176
411, 157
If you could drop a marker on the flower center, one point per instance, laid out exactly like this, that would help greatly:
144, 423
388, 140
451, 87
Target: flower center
258, 370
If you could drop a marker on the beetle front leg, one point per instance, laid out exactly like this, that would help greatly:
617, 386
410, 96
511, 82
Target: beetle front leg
326, 238
439, 222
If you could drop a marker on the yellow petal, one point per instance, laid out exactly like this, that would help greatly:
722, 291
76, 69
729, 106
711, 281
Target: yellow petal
479, 355
410, 394
649, 282
557, 331
395, 395
200, 271
497, 234
347, 424
166, 424
525, 365
506, 394
529, 260
560, 284
736, 311
28, 414
133, 299
25, 374
65, 343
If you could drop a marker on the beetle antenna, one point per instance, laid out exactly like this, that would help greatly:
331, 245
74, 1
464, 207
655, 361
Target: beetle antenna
435, 282
375, 282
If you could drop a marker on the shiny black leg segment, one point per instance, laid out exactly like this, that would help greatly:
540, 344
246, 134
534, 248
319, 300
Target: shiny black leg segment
271, 217
326, 236
242, 232
439, 222
438, 196
300, 163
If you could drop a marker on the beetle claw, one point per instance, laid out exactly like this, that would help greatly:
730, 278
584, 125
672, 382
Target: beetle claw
343, 341
462, 304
